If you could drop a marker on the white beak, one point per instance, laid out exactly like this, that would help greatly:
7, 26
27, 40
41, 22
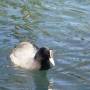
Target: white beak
52, 61
51, 58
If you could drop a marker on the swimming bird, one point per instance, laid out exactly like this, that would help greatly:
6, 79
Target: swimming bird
28, 56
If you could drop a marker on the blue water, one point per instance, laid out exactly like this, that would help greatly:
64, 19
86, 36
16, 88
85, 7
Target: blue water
64, 26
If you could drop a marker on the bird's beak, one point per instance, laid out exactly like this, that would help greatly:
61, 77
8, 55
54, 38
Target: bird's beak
51, 58
52, 61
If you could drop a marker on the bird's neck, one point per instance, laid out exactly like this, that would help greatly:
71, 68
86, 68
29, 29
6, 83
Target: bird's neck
45, 65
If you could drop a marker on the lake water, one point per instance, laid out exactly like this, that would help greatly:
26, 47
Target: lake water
64, 26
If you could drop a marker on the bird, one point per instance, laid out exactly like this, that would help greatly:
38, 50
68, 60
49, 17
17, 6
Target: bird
28, 56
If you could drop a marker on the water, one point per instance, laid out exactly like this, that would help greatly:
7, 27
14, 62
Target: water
64, 26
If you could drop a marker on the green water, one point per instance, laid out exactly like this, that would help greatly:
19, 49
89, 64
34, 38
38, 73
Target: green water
64, 26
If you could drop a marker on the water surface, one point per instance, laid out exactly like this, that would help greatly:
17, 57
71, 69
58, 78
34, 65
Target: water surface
64, 26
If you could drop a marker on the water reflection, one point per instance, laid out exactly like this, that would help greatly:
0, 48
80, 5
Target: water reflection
41, 81
31, 80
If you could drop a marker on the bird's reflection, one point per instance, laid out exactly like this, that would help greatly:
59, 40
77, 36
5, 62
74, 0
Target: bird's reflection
33, 80
41, 81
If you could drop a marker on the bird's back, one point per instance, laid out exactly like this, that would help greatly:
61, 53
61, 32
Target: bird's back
23, 54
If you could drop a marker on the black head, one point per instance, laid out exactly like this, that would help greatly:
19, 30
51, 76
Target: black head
43, 56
